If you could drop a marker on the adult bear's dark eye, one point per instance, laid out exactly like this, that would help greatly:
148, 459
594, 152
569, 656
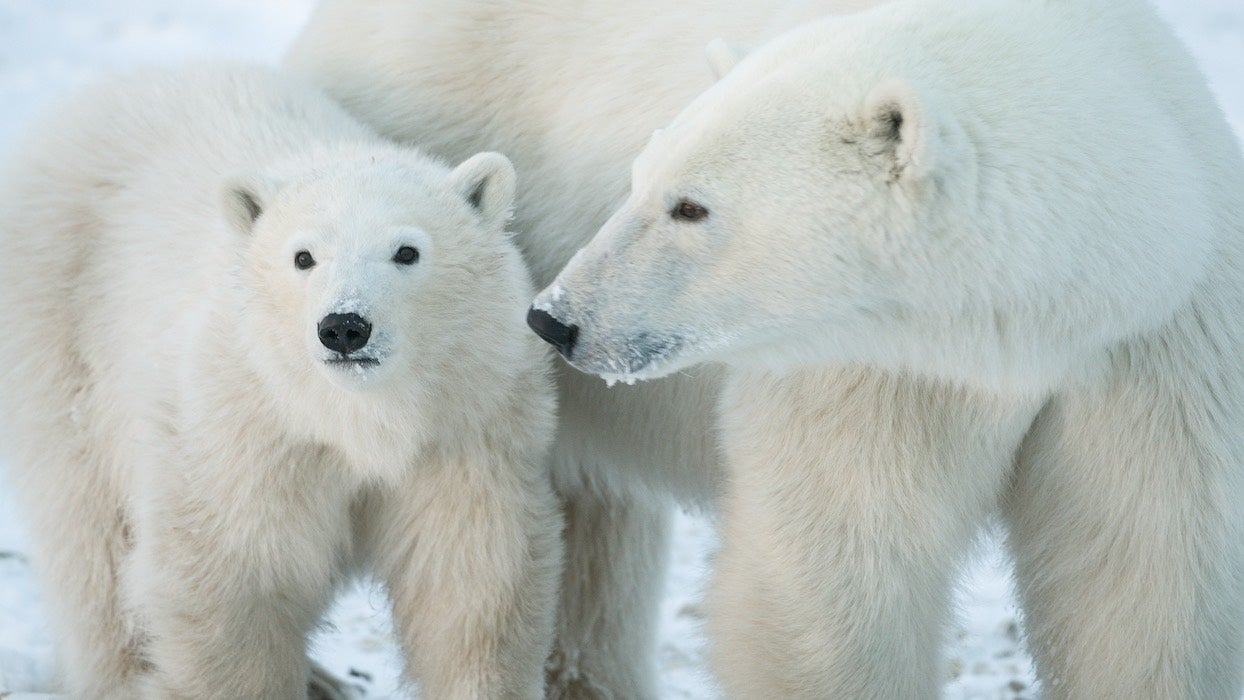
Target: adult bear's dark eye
687, 210
303, 260
406, 255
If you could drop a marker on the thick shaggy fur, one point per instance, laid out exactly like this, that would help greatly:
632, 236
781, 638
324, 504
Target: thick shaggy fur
199, 479
570, 91
960, 257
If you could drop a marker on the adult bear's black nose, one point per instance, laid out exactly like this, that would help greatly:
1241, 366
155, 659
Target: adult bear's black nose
344, 333
554, 332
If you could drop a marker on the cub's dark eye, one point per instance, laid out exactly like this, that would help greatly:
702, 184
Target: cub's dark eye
687, 210
406, 255
303, 260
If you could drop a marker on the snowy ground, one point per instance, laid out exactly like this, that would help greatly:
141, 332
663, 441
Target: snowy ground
49, 46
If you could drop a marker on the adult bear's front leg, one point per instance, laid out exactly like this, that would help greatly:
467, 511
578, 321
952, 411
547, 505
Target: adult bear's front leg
620, 455
1127, 524
854, 495
616, 552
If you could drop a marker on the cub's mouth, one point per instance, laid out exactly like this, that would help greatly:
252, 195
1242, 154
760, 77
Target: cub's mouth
348, 361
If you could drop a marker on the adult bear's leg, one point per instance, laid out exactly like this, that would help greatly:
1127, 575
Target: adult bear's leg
853, 497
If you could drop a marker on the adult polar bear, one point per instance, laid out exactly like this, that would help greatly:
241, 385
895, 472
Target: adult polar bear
570, 91
252, 347
958, 254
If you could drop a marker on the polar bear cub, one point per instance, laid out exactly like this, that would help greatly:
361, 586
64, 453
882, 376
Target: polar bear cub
959, 258
252, 348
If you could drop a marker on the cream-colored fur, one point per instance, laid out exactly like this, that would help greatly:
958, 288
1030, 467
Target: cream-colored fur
959, 257
570, 91
199, 478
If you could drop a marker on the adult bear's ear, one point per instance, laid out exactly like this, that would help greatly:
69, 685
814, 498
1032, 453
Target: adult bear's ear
486, 181
722, 56
896, 128
242, 200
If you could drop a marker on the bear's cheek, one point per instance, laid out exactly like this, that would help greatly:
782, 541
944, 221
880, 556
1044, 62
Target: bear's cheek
285, 308
277, 326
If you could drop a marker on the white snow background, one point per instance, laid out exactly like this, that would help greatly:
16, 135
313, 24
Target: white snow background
48, 47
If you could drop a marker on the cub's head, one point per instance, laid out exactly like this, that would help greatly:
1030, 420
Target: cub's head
780, 218
376, 268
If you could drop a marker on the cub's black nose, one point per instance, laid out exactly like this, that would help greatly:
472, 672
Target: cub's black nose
554, 332
344, 333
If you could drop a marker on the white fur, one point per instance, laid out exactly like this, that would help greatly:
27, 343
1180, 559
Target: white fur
199, 481
570, 91
958, 256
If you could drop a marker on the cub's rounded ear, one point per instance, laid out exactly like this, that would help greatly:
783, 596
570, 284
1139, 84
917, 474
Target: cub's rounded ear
896, 126
243, 199
722, 56
486, 181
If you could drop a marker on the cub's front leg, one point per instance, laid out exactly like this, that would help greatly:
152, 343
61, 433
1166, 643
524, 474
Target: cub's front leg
468, 547
237, 556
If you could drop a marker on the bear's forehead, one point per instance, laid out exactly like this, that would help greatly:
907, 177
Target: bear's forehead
361, 206
356, 233
369, 191
723, 128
